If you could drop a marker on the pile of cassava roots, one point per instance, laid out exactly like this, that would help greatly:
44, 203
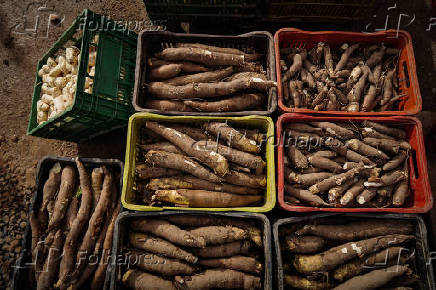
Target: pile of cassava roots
346, 164
330, 253
352, 78
193, 252
72, 229
209, 165
194, 77
59, 81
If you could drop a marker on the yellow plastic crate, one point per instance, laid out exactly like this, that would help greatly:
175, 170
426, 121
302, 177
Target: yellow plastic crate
265, 124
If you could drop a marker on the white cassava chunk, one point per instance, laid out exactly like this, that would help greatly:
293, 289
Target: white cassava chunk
52, 114
48, 99
68, 100
92, 58
95, 39
45, 69
51, 62
42, 106
59, 104
60, 82
41, 116
60, 68
88, 83
92, 71
71, 54
48, 80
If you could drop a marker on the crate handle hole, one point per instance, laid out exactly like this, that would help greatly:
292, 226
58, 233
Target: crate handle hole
406, 74
415, 164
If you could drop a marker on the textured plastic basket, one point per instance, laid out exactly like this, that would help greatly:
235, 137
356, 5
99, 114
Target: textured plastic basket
406, 69
265, 124
20, 278
212, 11
109, 106
319, 11
420, 200
121, 239
422, 255
150, 43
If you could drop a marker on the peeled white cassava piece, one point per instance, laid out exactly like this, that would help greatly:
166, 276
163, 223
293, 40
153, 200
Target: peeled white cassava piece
59, 81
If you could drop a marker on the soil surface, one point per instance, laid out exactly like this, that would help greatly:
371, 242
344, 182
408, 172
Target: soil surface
21, 48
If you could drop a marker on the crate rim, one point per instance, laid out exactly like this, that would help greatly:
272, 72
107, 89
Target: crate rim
266, 227
272, 93
308, 209
283, 221
412, 73
271, 185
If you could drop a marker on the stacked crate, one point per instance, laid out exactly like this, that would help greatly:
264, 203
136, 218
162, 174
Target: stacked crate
120, 88
419, 200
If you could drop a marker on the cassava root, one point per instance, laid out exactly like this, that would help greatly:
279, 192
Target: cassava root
345, 164
229, 259
185, 78
213, 164
350, 77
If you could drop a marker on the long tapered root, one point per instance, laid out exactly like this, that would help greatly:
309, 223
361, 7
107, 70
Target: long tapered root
160, 246
221, 278
335, 256
204, 198
135, 279
239, 263
168, 231
180, 162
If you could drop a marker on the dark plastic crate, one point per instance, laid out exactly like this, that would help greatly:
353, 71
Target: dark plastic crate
109, 106
150, 43
422, 255
213, 11
20, 276
121, 230
320, 11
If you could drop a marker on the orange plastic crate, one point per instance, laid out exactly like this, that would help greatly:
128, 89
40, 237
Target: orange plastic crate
406, 70
420, 199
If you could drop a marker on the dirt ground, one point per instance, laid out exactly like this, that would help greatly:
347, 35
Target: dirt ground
20, 50
19, 55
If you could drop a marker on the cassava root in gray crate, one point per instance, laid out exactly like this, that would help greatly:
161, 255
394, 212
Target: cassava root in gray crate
193, 252
73, 226
330, 253
193, 77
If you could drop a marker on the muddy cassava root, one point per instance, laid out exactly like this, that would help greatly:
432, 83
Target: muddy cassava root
350, 77
360, 161
330, 259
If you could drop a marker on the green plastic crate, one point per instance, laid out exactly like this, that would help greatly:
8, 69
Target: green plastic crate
110, 104
264, 124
